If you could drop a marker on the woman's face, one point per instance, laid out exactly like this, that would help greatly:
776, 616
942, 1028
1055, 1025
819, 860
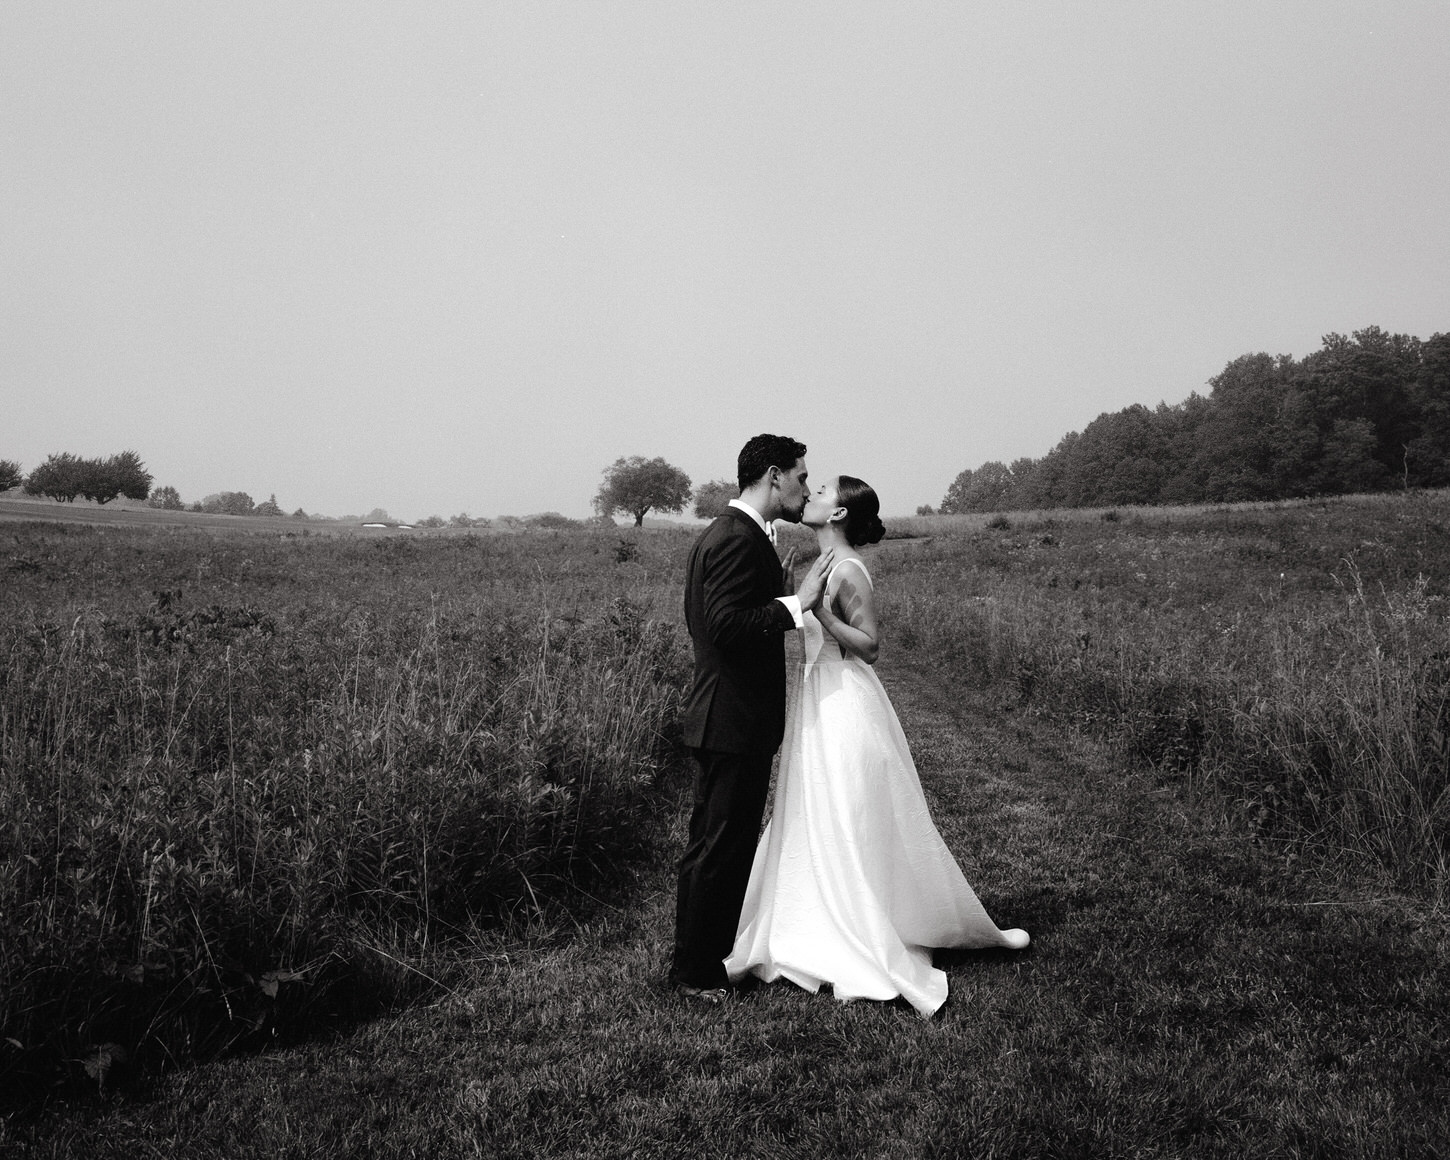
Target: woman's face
821, 505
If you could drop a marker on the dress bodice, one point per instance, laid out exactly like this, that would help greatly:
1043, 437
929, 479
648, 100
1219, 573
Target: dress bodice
820, 646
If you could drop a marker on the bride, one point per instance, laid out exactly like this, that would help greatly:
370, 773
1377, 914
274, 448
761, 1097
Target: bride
851, 884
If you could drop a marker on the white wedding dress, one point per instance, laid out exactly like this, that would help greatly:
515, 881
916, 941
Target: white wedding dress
851, 884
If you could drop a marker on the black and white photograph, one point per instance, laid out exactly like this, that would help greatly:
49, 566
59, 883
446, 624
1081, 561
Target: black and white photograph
671, 580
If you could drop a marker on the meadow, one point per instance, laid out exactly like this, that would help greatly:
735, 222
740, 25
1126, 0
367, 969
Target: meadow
383, 828
246, 779
1291, 659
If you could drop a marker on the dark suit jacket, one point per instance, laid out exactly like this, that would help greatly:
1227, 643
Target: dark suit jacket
737, 701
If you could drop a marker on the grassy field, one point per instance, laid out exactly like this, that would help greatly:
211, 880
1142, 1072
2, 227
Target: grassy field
1294, 659
1119, 721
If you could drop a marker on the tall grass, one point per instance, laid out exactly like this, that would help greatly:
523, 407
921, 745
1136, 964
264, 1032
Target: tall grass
241, 779
213, 815
1298, 667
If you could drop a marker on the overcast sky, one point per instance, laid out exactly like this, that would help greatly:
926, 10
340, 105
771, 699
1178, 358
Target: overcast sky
452, 257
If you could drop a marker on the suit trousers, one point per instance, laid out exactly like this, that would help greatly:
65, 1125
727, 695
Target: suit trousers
730, 793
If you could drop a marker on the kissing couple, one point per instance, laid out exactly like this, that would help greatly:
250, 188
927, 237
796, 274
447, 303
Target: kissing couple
850, 885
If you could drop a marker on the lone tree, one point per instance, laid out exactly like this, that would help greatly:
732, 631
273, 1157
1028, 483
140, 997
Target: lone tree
637, 485
10, 474
713, 499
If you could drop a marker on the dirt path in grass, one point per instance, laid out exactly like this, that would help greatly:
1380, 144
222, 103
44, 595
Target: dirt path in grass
1186, 994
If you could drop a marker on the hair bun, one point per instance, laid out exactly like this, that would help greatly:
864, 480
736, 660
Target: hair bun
863, 510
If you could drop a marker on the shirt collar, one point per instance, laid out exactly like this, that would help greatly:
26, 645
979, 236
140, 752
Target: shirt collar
760, 522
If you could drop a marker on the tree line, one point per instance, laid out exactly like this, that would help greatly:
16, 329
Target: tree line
64, 476
1370, 412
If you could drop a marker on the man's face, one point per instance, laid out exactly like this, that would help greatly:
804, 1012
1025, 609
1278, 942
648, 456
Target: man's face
791, 488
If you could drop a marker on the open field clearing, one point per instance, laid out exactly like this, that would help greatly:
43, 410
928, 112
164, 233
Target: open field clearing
271, 792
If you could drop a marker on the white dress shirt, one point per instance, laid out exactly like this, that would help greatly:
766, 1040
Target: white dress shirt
792, 602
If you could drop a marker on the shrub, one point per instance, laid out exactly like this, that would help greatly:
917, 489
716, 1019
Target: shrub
552, 520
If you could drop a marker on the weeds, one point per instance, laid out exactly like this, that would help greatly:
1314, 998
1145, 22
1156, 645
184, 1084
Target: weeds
216, 814
1251, 652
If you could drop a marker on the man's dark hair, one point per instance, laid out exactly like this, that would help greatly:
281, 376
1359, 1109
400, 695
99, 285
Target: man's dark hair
762, 453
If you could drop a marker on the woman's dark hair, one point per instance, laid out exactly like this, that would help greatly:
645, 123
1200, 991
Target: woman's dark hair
862, 511
762, 453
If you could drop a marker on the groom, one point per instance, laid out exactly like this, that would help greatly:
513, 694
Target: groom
738, 606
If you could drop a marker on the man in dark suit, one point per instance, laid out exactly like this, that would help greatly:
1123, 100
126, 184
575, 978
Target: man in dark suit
738, 606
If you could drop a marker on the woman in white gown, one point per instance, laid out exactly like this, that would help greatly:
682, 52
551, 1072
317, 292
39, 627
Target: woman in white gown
851, 884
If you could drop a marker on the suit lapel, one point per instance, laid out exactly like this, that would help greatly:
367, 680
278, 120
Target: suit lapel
769, 561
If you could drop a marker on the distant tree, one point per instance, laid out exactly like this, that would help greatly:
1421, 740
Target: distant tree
1027, 483
431, 522
1242, 449
377, 516
10, 474
637, 485
1426, 457
713, 498
552, 520
1117, 460
127, 475
1347, 462
167, 498
1183, 432
268, 507
461, 520
926, 510
952, 502
96, 483
985, 489
229, 503
299, 514
60, 477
